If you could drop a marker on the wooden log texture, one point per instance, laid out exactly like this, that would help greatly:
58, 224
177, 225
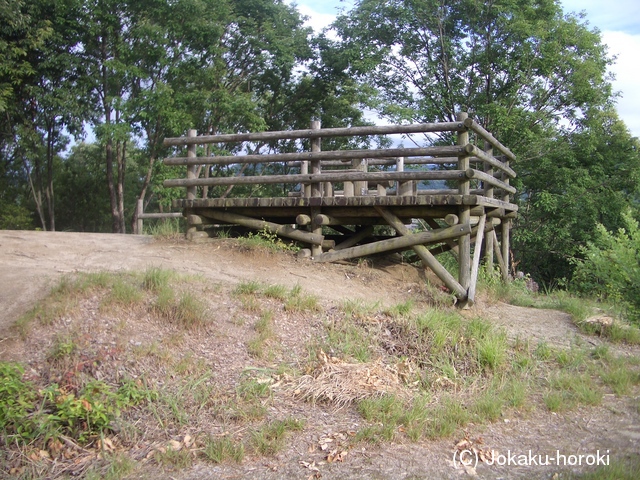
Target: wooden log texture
319, 178
329, 155
501, 264
476, 259
303, 219
396, 243
485, 135
146, 216
490, 179
464, 243
428, 260
255, 224
326, 132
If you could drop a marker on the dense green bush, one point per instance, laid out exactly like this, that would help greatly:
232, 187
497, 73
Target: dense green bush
611, 267
29, 413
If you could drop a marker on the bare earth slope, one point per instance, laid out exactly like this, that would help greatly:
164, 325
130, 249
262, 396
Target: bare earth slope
31, 262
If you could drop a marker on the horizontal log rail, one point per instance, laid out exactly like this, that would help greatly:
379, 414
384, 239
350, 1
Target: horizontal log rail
330, 155
490, 179
472, 125
320, 178
316, 133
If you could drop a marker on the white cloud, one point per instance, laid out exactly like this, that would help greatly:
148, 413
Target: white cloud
614, 15
625, 47
316, 20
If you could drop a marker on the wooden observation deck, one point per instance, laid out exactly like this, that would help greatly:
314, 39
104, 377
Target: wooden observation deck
334, 199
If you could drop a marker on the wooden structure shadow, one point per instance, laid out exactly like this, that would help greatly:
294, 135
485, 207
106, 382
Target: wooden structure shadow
338, 197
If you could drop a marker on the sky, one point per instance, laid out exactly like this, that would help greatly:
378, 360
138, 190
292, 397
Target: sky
617, 20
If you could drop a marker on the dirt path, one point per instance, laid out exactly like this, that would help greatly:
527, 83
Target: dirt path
31, 262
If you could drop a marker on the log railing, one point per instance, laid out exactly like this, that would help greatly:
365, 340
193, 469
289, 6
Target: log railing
357, 168
471, 196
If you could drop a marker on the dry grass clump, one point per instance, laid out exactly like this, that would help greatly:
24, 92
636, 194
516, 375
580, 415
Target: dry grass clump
343, 384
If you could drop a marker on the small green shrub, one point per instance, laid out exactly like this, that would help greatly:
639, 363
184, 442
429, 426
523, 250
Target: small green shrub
156, 279
269, 240
17, 401
247, 288
219, 450
301, 302
28, 413
269, 439
279, 292
610, 267
190, 311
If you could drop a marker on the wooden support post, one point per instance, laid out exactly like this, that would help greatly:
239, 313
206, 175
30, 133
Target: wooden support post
349, 189
398, 243
305, 188
506, 230
428, 260
361, 188
452, 244
316, 188
191, 175
488, 192
303, 219
403, 189
464, 242
199, 220
496, 249
451, 220
328, 189
255, 224
476, 261
322, 219
316, 229
140, 221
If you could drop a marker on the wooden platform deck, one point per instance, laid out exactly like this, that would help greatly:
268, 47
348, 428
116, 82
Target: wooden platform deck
336, 199
352, 211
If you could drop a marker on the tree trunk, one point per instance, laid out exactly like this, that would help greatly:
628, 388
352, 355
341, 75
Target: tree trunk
49, 189
115, 224
121, 171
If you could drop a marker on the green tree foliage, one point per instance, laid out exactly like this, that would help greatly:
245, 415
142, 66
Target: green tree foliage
45, 99
589, 177
611, 266
534, 77
138, 72
514, 64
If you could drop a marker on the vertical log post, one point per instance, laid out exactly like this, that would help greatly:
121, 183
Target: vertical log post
488, 192
471, 297
464, 242
305, 188
140, 221
316, 188
191, 175
361, 188
506, 230
403, 189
